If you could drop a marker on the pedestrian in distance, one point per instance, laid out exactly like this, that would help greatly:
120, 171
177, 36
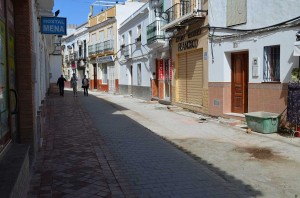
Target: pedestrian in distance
74, 84
85, 86
61, 83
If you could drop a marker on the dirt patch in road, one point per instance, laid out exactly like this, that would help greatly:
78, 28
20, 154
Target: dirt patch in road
260, 153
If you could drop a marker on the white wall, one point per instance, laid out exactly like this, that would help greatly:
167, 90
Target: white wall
220, 71
221, 49
259, 13
55, 68
139, 52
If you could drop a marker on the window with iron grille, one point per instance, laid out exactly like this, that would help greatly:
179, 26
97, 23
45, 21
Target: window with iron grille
271, 63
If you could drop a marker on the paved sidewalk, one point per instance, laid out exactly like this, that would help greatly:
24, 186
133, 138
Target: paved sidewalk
74, 161
106, 145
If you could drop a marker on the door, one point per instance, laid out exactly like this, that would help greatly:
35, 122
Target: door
95, 76
111, 78
167, 83
239, 82
130, 80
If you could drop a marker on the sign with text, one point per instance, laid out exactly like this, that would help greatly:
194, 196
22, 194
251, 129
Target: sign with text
54, 25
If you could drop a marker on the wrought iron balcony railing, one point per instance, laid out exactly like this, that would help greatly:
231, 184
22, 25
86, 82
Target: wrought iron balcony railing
180, 9
154, 31
127, 51
108, 45
72, 56
66, 58
100, 48
92, 49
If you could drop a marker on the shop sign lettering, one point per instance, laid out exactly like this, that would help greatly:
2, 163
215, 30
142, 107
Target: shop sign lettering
54, 25
194, 33
191, 44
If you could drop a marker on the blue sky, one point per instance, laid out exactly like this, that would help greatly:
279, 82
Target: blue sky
76, 11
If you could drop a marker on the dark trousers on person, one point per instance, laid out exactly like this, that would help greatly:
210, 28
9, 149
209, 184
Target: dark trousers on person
61, 90
85, 90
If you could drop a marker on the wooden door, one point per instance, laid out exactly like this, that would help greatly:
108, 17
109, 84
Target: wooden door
95, 76
239, 85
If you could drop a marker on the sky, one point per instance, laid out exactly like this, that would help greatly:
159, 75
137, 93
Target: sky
77, 11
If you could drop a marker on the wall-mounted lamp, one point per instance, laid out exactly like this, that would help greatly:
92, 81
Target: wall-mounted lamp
156, 4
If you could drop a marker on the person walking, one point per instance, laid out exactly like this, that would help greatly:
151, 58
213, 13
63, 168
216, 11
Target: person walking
74, 84
61, 83
85, 86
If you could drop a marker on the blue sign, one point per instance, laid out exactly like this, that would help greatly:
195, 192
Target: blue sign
54, 25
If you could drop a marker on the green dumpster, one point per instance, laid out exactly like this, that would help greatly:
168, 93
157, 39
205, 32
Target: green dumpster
263, 122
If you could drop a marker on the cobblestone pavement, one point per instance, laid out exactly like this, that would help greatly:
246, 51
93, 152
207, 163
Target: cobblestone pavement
74, 161
91, 149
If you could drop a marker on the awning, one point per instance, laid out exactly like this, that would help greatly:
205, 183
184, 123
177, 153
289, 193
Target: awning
297, 49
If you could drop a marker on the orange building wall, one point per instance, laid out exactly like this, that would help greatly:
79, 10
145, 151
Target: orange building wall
261, 97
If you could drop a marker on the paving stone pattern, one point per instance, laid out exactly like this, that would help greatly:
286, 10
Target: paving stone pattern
72, 162
91, 149
152, 166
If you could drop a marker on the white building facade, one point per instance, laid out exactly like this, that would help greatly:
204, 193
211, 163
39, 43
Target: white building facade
251, 55
75, 52
103, 45
134, 71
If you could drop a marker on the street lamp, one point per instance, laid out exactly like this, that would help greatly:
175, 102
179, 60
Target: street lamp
156, 4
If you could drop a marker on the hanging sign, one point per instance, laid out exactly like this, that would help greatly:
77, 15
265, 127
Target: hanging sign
54, 25
104, 59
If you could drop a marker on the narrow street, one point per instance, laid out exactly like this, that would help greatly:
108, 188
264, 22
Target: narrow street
91, 149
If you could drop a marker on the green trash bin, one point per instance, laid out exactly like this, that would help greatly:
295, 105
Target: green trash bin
263, 122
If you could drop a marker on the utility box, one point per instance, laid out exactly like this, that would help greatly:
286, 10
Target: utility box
263, 122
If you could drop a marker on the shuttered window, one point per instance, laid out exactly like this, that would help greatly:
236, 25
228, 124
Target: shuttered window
236, 12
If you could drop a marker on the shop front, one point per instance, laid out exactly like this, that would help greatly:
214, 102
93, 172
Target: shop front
8, 100
190, 78
106, 67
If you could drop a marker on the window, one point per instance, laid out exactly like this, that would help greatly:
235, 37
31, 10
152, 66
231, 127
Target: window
101, 36
139, 74
138, 37
94, 39
236, 12
129, 37
104, 73
110, 33
271, 63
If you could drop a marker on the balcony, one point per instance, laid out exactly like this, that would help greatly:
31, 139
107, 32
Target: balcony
80, 55
100, 48
127, 52
72, 56
66, 58
109, 46
184, 13
156, 36
92, 50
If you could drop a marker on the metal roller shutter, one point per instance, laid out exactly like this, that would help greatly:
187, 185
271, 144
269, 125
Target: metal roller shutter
190, 77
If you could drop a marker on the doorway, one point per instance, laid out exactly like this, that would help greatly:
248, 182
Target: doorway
167, 79
239, 82
95, 76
